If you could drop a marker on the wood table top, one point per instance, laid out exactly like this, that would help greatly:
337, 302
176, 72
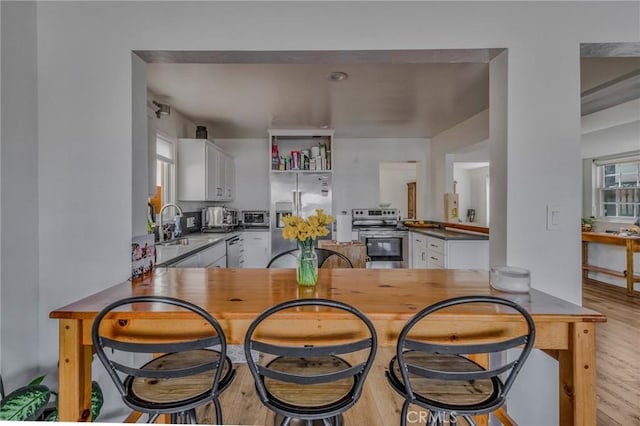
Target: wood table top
382, 294
610, 238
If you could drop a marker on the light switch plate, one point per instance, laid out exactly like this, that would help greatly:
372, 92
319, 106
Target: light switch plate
554, 217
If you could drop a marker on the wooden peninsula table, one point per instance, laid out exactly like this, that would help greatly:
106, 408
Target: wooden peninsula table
389, 297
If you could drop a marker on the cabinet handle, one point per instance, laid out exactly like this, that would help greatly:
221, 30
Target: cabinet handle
434, 258
422, 255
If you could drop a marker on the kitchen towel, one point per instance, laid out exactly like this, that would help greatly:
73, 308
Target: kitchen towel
343, 228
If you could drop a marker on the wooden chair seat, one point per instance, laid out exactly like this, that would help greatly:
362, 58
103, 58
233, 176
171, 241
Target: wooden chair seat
461, 392
309, 395
163, 391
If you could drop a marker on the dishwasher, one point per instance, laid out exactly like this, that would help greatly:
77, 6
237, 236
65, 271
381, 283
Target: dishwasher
234, 252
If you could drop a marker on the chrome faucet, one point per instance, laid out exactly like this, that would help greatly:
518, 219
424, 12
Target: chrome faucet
160, 229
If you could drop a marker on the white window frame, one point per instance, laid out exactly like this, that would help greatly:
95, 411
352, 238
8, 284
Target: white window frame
167, 172
622, 192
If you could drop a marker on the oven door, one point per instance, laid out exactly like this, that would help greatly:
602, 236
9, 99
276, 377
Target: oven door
385, 251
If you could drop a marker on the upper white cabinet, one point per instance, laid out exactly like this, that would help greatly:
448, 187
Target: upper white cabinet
205, 173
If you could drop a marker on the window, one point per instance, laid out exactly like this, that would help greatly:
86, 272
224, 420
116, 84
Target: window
619, 187
165, 174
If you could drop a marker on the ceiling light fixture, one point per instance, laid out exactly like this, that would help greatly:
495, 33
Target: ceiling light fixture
163, 109
338, 76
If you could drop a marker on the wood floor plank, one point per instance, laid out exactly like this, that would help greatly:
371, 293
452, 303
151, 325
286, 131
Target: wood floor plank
617, 354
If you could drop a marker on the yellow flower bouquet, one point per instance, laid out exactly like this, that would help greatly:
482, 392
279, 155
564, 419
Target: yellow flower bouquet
305, 232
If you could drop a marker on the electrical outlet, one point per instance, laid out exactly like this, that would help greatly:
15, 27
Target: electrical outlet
191, 222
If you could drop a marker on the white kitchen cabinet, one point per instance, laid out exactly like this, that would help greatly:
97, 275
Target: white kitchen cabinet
418, 251
256, 249
213, 254
220, 263
192, 261
467, 254
202, 171
437, 253
436, 258
457, 254
229, 178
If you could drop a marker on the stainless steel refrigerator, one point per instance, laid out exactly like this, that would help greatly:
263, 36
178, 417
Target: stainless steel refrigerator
300, 194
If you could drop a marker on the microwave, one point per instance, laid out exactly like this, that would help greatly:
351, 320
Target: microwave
255, 218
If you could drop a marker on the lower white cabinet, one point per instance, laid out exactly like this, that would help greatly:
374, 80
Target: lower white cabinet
418, 251
192, 261
436, 253
211, 257
214, 256
256, 249
220, 263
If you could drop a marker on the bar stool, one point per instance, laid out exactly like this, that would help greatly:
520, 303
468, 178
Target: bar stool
440, 376
299, 380
190, 373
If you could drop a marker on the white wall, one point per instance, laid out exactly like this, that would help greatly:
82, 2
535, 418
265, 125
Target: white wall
252, 161
357, 163
394, 177
444, 147
84, 120
19, 283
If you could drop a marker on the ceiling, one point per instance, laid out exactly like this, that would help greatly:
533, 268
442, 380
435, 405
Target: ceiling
388, 94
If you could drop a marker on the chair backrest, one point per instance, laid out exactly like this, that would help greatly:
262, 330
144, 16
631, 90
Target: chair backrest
111, 331
288, 258
357, 342
424, 345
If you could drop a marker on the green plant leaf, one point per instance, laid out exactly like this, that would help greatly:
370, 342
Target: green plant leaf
97, 399
38, 380
52, 417
25, 403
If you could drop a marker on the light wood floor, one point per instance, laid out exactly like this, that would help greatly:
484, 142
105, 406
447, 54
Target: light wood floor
617, 353
618, 382
378, 405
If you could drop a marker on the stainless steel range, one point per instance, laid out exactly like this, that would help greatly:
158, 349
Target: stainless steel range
387, 244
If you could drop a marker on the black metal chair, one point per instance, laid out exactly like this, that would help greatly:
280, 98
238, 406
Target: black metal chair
288, 258
439, 376
303, 381
189, 374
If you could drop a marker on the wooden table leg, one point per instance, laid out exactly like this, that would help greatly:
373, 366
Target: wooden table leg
578, 377
630, 281
74, 366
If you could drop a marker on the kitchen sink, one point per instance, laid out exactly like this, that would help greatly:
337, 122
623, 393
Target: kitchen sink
178, 242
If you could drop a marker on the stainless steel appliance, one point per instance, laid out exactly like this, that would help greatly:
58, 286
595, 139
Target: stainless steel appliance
300, 194
234, 252
387, 243
255, 218
218, 219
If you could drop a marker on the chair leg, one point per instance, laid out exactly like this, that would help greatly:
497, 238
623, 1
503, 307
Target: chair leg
218, 409
152, 417
405, 411
469, 420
